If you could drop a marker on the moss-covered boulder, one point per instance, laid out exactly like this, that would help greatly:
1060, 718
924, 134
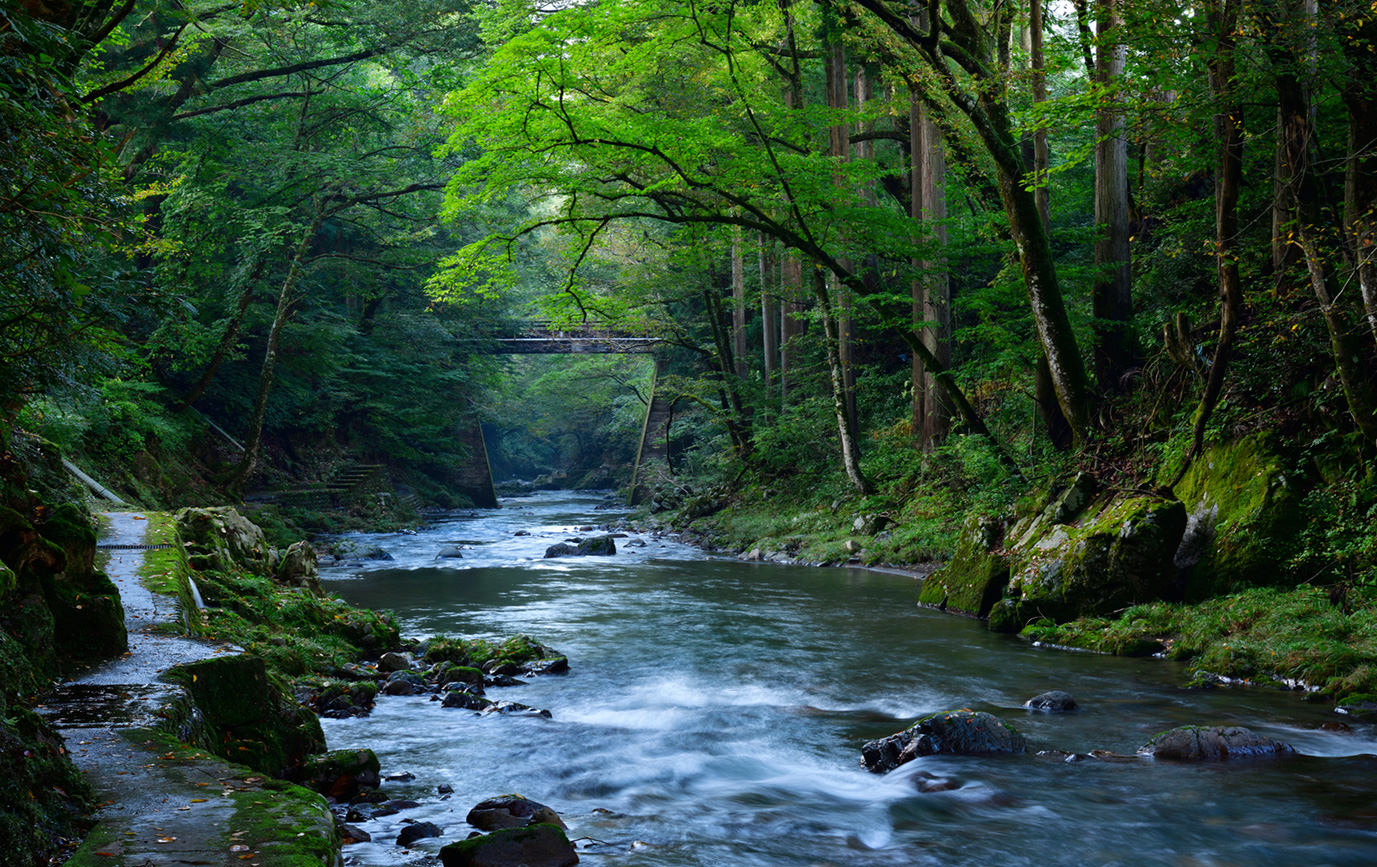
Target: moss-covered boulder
1116, 556
47, 797
236, 710
1244, 515
341, 774
299, 567
221, 539
975, 577
532, 846
954, 732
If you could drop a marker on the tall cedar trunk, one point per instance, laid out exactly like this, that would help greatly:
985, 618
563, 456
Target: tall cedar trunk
937, 288
1359, 92
769, 313
1044, 394
1350, 359
738, 305
1111, 293
916, 287
839, 148
850, 452
730, 395
286, 299
984, 104
1223, 21
790, 326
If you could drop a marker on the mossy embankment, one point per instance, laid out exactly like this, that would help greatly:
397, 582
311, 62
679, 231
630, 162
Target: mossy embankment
1258, 566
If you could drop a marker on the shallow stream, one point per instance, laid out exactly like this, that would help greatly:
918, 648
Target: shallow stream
715, 712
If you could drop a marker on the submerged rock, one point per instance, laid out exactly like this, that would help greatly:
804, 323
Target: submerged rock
417, 831
511, 811
1213, 744
1053, 701
533, 846
453, 552
956, 732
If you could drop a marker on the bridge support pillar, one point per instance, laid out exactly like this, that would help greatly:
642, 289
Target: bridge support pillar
474, 480
654, 447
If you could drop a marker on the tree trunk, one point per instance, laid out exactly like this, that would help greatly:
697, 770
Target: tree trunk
937, 287
738, 305
850, 452
1223, 20
286, 300
769, 313
1359, 92
1111, 293
918, 379
839, 148
1042, 160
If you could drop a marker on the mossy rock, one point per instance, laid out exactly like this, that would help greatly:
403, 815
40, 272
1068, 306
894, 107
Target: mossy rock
241, 713
1244, 513
954, 732
977, 574
341, 774
45, 798
540, 845
1117, 556
221, 539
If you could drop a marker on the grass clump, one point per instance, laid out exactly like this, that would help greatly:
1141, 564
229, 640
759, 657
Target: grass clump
1265, 633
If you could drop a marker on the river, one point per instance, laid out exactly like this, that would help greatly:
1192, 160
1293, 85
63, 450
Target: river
715, 712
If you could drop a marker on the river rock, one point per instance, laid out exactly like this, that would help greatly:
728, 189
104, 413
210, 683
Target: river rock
464, 675
341, 774
1213, 744
353, 834
462, 698
299, 567
593, 546
417, 831
393, 661
512, 707
511, 811
1053, 701
956, 732
403, 683
453, 552
532, 846
552, 665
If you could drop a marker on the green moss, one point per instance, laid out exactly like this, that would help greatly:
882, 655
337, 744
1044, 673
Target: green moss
241, 712
977, 574
44, 799
290, 826
1259, 634
1241, 485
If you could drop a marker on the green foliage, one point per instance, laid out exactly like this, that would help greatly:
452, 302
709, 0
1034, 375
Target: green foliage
1260, 634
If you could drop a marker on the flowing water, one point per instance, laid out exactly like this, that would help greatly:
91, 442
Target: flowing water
715, 712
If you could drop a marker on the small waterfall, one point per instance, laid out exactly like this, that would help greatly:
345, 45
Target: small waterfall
196, 594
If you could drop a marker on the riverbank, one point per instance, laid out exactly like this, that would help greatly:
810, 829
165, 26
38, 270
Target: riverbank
1321, 640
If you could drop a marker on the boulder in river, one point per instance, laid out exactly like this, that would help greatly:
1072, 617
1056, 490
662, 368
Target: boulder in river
462, 698
453, 552
417, 831
1213, 744
1052, 701
955, 732
600, 546
532, 846
511, 811
393, 661
341, 774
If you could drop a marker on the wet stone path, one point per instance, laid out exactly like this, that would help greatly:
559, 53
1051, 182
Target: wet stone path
162, 803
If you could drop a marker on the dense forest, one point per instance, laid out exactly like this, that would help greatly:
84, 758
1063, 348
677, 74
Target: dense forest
1079, 298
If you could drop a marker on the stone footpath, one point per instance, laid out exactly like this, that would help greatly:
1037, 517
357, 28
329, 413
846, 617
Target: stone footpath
164, 803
